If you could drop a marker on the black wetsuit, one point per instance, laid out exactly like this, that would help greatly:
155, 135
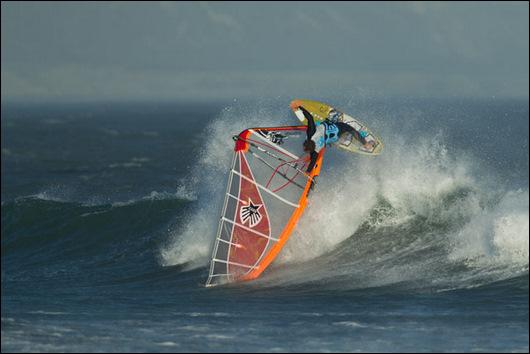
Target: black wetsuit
343, 127
311, 129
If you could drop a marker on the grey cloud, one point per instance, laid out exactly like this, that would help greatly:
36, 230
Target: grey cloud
171, 50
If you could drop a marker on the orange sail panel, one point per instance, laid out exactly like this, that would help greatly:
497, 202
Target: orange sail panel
266, 194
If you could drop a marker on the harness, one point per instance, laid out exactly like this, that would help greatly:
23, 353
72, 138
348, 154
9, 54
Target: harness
326, 134
331, 133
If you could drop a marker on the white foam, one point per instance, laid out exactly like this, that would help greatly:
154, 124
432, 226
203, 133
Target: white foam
350, 324
134, 162
349, 187
168, 344
496, 236
53, 313
53, 193
181, 193
192, 243
415, 179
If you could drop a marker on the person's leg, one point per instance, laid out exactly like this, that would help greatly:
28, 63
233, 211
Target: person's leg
343, 127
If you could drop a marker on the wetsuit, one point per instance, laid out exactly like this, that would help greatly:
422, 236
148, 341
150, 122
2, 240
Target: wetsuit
326, 133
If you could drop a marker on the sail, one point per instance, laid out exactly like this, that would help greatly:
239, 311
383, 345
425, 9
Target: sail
266, 194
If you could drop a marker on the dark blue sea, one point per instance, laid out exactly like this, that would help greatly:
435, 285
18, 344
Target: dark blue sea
109, 212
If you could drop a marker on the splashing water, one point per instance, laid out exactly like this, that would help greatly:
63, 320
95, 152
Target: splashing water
416, 213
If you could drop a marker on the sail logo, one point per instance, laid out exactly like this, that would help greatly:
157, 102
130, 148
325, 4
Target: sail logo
250, 213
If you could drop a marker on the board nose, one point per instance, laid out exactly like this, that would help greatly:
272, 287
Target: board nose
295, 104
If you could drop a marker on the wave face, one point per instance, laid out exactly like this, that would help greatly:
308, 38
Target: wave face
109, 213
50, 239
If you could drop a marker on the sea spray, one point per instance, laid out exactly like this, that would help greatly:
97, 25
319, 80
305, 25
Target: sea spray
191, 243
403, 216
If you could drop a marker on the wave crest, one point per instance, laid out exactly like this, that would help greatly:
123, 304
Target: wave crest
417, 214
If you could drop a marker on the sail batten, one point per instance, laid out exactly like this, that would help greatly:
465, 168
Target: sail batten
266, 195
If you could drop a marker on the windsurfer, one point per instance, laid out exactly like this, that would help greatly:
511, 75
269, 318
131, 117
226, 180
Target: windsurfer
325, 134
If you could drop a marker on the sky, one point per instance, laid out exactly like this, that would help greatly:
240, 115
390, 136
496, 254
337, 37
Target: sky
89, 51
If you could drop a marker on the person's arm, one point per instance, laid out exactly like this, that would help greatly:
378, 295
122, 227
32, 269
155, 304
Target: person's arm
314, 156
311, 128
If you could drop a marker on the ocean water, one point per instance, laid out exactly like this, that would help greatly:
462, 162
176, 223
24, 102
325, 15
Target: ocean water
109, 212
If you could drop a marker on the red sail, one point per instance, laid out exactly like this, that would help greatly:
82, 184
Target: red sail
252, 227
268, 186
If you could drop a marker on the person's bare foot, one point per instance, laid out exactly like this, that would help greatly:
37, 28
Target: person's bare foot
369, 145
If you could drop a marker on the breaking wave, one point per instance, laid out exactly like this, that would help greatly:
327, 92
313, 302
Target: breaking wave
417, 215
